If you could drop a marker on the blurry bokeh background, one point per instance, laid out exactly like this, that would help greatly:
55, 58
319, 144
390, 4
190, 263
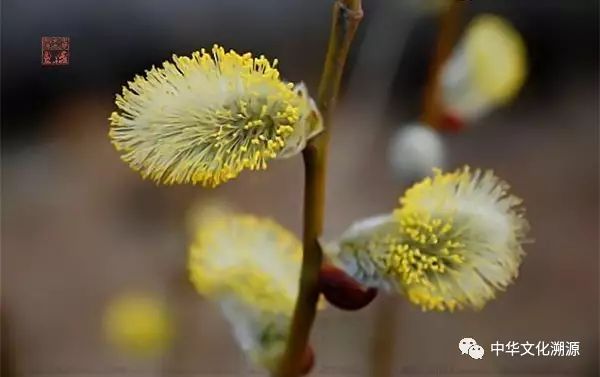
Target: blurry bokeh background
79, 228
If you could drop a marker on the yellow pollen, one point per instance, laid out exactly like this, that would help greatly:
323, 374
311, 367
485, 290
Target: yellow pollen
421, 249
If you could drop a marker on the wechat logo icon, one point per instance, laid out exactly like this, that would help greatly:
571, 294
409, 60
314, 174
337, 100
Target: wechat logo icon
468, 346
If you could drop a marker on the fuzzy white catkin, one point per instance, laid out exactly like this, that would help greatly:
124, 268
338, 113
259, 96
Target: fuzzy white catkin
414, 150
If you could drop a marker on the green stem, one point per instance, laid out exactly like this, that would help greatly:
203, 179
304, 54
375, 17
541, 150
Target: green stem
346, 17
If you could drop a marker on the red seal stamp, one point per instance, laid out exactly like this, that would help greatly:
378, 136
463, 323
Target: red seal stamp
55, 50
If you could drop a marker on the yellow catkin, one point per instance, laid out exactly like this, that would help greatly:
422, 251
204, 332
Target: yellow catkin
263, 262
138, 325
250, 267
455, 240
205, 118
497, 53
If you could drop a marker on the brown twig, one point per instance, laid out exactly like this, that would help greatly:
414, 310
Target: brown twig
346, 17
447, 35
384, 338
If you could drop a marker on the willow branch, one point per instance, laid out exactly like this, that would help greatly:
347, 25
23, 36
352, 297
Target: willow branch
346, 17
447, 35
384, 339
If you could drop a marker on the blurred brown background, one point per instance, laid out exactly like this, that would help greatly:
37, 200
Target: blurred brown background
78, 227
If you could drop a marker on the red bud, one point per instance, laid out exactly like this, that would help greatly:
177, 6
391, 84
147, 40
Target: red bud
451, 122
342, 291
